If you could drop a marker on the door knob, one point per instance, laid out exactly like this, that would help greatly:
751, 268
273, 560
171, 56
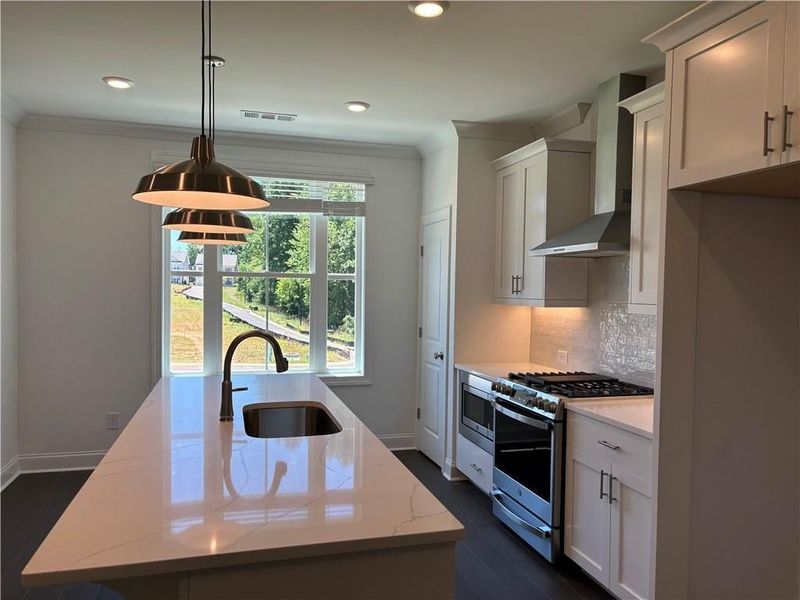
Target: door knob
438, 355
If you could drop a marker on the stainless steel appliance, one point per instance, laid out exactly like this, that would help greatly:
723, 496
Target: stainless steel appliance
477, 412
528, 474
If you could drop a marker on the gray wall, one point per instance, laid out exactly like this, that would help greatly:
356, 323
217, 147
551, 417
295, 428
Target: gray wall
603, 337
85, 280
8, 295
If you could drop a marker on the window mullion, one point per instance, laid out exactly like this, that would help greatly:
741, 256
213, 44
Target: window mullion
319, 293
212, 310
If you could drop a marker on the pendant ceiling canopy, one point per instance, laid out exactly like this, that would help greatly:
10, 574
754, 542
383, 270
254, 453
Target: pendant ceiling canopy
208, 221
202, 182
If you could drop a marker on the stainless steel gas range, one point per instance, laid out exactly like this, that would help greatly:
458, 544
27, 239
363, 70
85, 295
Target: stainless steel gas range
529, 440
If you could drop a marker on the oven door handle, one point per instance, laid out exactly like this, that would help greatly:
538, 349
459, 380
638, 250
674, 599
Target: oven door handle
512, 414
542, 532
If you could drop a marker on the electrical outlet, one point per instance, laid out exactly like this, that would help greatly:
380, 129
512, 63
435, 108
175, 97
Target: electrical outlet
563, 357
112, 421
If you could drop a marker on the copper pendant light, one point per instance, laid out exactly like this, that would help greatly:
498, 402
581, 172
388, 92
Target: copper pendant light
212, 239
201, 182
208, 221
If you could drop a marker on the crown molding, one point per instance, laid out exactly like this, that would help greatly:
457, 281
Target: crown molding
11, 111
504, 132
644, 99
184, 134
542, 145
693, 23
562, 121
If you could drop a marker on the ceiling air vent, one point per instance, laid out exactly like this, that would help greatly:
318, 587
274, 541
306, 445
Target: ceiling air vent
268, 116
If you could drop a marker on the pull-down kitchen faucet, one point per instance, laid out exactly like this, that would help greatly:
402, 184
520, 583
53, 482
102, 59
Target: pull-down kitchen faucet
281, 365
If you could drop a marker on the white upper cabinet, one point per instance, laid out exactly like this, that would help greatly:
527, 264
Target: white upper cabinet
729, 88
647, 108
542, 190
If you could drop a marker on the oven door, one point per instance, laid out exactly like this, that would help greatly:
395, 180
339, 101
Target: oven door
527, 460
477, 417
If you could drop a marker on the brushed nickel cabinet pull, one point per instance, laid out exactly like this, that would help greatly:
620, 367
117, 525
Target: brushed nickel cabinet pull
602, 492
767, 120
608, 445
611, 498
785, 134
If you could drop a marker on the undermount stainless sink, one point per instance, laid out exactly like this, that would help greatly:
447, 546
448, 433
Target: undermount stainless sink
275, 420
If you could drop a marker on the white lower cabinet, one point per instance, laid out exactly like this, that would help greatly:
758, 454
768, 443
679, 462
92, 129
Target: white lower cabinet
474, 462
607, 514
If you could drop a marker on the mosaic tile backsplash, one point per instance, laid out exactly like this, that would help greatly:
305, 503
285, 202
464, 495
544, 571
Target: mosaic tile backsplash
603, 337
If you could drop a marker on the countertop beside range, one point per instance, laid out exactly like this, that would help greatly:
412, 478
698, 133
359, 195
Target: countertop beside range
634, 414
179, 491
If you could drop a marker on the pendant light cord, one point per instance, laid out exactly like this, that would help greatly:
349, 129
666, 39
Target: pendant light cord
210, 53
203, 67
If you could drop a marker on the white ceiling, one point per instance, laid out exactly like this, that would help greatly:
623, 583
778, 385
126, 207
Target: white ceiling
480, 61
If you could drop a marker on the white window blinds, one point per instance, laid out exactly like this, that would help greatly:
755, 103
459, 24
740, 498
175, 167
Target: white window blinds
337, 198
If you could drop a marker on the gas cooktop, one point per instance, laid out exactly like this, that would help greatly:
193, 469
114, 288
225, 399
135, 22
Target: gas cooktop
578, 384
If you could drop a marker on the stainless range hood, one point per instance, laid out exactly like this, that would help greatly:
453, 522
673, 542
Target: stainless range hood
608, 232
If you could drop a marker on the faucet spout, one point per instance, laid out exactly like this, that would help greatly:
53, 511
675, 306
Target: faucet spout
281, 365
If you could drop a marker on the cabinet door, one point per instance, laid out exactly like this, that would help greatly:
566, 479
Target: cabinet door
587, 513
631, 528
510, 230
724, 83
646, 206
534, 173
790, 124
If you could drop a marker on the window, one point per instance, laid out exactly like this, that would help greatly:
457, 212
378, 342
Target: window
299, 277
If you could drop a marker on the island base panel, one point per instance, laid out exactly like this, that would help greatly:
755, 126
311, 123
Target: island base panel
395, 574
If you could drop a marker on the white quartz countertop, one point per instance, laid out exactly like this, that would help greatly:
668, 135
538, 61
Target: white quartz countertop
632, 413
495, 371
179, 490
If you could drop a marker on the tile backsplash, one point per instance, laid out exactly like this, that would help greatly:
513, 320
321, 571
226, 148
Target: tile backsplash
603, 337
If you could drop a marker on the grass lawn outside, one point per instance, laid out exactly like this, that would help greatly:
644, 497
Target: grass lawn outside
232, 296
186, 338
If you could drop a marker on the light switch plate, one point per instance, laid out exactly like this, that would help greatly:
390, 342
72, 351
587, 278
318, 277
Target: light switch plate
112, 420
563, 357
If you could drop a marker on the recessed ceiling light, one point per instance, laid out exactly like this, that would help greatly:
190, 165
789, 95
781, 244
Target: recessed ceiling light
428, 9
356, 106
118, 83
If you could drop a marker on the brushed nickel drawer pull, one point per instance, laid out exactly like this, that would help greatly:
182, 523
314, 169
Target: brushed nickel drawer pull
476, 467
767, 120
608, 445
785, 137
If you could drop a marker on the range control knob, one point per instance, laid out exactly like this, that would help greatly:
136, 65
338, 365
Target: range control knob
552, 406
495, 386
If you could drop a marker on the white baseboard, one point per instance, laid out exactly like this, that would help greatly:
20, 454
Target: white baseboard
451, 472
403, 441
60, 461
9, 472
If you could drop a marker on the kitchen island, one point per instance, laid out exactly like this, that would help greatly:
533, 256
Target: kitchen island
184, 506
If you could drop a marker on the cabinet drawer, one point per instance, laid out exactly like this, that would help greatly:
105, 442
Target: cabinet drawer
634, 453
475, 463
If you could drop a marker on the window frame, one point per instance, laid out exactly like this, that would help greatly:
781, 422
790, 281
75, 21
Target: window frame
213, 275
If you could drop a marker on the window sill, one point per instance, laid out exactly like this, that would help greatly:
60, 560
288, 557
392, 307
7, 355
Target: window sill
344, 380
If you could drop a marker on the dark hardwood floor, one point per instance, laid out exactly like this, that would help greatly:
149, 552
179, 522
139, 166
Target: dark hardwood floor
29, 508
492, 564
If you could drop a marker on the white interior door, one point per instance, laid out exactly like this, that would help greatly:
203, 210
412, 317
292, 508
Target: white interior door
434, 287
